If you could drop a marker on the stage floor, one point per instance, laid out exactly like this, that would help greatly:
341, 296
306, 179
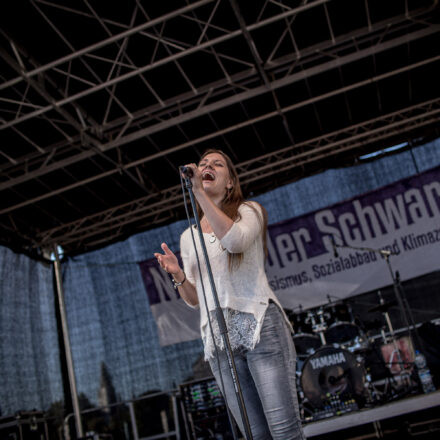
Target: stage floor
371, 415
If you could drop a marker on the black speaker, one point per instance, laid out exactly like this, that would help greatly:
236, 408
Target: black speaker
204, 411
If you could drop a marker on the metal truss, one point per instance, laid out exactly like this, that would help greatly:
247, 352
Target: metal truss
128, 165
157, 209
46, 164
200, 101
79, 99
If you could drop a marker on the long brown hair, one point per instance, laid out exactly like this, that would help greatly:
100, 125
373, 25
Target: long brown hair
230, 204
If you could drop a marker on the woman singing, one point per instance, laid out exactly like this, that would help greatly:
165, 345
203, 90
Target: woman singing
234, 231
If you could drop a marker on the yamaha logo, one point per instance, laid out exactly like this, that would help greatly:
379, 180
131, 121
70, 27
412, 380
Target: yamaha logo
329, 360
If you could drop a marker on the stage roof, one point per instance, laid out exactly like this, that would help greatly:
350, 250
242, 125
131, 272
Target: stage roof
100, 102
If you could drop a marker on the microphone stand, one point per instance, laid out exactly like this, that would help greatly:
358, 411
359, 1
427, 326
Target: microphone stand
397, 287
220, 318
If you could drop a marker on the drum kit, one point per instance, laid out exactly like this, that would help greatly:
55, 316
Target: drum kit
339, 366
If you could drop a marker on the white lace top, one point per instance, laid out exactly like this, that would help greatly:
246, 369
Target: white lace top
241, 330
244, 293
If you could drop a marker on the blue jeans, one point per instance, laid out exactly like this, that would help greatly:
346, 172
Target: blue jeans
267, 379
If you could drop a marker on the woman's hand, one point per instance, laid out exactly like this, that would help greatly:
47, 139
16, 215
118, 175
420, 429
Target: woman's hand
168, 261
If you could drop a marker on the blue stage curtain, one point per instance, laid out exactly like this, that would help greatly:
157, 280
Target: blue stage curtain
30, 375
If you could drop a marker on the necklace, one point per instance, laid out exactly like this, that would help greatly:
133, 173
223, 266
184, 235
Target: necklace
212, 238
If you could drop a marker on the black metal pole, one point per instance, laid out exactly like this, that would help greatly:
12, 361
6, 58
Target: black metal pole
220, 318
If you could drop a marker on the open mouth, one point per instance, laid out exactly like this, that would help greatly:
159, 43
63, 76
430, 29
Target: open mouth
208, 175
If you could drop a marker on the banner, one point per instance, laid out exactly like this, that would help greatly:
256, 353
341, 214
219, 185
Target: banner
305, 268
176, 321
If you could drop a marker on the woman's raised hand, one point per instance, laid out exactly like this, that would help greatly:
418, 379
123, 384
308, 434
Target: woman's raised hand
167, 260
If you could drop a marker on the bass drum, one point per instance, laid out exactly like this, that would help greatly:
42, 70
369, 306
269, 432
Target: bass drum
332, 372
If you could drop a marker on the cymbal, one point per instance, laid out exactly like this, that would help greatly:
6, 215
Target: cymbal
383, 307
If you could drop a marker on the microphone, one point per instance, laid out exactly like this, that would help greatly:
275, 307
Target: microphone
188, 172
335, 250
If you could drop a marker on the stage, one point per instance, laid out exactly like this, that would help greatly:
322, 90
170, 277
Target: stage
373, 415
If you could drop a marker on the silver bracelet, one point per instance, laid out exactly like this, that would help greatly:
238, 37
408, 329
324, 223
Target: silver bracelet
175, 283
